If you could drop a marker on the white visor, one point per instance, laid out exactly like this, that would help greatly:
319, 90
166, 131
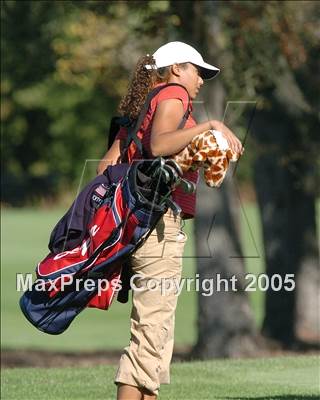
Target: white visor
178, 53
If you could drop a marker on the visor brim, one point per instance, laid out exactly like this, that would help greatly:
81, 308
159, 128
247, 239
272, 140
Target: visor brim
208, 73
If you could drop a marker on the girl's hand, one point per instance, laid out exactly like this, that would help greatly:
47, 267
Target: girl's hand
232, 140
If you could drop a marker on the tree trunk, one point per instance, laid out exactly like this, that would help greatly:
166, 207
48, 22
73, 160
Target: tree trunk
307, 317
225, 322
288, 219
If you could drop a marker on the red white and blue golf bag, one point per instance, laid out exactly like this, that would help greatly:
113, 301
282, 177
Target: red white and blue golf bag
129, 212
118, 211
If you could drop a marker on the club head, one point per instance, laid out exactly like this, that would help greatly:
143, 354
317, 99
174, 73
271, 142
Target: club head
174, 177
175, 165
164, 175
174, 206
187, 186
154, 165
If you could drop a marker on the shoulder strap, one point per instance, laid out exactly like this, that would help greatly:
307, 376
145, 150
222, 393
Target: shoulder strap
115, 124
133, 129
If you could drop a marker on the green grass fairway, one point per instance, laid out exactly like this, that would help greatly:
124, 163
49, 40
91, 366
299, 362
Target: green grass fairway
285, 378
24, 239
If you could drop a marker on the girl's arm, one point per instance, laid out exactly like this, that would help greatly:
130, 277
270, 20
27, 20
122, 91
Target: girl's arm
111, 157
167, 140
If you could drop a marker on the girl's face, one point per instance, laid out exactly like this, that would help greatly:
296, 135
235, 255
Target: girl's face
188, 76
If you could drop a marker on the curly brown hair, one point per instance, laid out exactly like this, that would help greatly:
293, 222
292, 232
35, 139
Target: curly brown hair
141, 83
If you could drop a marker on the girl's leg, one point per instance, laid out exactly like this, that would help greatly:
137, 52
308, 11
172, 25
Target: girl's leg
128, 392
145, 362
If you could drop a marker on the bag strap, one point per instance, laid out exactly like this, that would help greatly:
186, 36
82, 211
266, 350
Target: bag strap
115, 123
133, 129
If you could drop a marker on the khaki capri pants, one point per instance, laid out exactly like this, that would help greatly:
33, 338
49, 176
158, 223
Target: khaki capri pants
157, 265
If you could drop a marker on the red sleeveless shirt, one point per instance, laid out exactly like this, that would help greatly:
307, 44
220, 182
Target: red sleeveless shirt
187, 202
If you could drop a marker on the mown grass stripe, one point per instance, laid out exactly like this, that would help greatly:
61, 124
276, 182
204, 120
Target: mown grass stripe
282, 378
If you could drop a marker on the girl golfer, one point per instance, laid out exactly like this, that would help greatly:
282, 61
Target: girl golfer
145, 362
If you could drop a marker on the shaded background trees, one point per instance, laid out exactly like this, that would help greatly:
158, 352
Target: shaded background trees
281, 47
224, 320
64, 68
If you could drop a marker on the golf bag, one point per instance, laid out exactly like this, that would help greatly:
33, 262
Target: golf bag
130, 210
